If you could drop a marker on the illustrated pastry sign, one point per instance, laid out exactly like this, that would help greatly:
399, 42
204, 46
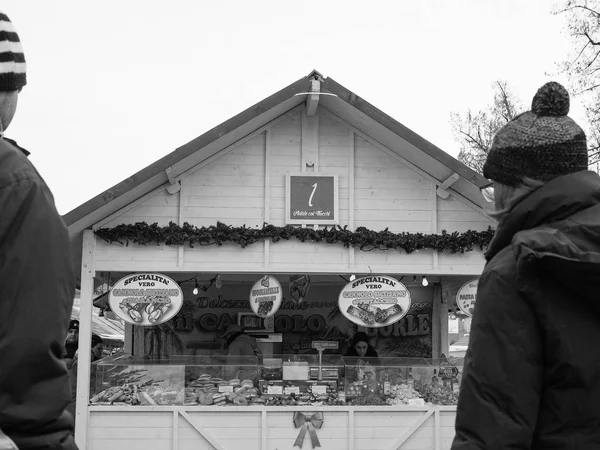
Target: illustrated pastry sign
265, 296
374, 301
145, 299
466, 297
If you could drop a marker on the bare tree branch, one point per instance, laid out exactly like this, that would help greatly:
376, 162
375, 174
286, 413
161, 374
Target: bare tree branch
475, 131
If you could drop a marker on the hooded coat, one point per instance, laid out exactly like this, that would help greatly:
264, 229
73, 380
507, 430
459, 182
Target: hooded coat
37, 286
531, 377
244, 354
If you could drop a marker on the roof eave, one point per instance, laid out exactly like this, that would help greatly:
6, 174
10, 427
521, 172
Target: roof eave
155, 175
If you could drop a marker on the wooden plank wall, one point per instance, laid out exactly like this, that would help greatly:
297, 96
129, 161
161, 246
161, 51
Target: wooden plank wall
371, 429
231, 189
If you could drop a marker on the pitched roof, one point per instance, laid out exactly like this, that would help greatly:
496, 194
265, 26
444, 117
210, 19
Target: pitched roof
345, 104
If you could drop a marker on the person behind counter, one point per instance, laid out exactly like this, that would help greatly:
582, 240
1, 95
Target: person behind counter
71, 343
242, 349
360, 347
363, 357
97, 353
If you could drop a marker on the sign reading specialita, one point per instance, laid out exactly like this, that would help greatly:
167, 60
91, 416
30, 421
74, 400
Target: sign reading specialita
265, 296
145, 299
374, 301
466, 297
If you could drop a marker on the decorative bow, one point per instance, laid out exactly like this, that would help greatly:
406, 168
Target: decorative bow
309, 423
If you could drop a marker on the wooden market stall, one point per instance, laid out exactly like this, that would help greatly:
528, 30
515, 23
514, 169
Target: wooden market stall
237, 181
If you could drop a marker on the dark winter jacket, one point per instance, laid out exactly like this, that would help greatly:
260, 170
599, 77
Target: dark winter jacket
243, 356
532, 370
36, 295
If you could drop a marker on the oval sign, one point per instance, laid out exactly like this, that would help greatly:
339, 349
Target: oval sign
265, 296
145, 299
466, 297
374, 301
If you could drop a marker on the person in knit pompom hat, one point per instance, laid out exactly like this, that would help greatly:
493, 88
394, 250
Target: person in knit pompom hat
531, 377
37, 283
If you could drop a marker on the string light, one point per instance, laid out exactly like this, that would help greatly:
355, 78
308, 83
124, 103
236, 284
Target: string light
424, 282
352, 277
195, 290
218, 282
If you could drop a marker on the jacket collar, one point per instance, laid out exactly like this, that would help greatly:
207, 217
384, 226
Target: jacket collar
25, 152
556, 200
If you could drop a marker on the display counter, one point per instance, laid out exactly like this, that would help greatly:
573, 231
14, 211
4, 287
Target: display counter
190, 402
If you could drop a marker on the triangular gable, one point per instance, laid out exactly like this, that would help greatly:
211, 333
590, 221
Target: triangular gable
312, 91
390, 192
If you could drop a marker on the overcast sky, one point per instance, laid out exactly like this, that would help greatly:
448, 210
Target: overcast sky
115, 85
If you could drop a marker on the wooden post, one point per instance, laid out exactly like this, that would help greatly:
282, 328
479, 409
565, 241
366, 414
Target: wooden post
351, 194
85, 338
438, 330
434, 223
182, 205
267, 212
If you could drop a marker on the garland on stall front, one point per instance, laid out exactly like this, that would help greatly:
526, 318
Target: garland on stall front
364, 239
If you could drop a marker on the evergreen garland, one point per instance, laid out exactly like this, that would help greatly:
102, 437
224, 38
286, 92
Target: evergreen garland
364, 239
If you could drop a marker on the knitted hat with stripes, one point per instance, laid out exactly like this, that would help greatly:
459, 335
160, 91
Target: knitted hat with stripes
12, 59
541, 144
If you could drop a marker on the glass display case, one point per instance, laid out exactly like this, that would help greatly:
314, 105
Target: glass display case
401, 381
278, 381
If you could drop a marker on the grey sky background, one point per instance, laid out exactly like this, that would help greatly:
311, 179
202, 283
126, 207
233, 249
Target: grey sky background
115, 85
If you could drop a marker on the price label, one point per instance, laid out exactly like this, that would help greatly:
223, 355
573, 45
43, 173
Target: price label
448, 371
225, 388
416, 402
292, 390
319, 390
322, 345
275, 390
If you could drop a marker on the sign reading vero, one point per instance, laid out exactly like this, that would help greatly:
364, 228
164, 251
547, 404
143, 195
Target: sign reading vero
374, 301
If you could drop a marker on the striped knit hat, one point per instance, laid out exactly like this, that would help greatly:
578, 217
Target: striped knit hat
12, 59
541, 144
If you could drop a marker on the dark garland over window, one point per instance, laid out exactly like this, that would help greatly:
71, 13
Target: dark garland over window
363, 238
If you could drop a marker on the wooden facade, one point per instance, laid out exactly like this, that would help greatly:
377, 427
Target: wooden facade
388, 178
245, 185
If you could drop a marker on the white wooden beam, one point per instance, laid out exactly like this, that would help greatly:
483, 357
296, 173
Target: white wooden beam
312, 101
351, 192
434, 223
175, 430
310, 141
181, 218
442, 191
456, 269
202, 431
85, 338
267, 212
174, 185
396, 445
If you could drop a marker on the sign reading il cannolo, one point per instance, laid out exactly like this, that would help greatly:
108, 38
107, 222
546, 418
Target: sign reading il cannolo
265, 296
374, 301
467, 296
145, 299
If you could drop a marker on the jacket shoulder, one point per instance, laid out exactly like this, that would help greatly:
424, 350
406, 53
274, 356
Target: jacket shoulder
14, 165
504, 263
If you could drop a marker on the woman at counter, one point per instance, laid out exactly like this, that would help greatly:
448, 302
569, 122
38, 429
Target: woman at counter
360, 347
363, 357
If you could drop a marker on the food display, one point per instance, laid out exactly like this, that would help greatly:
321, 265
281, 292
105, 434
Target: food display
358, 384
135, 385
